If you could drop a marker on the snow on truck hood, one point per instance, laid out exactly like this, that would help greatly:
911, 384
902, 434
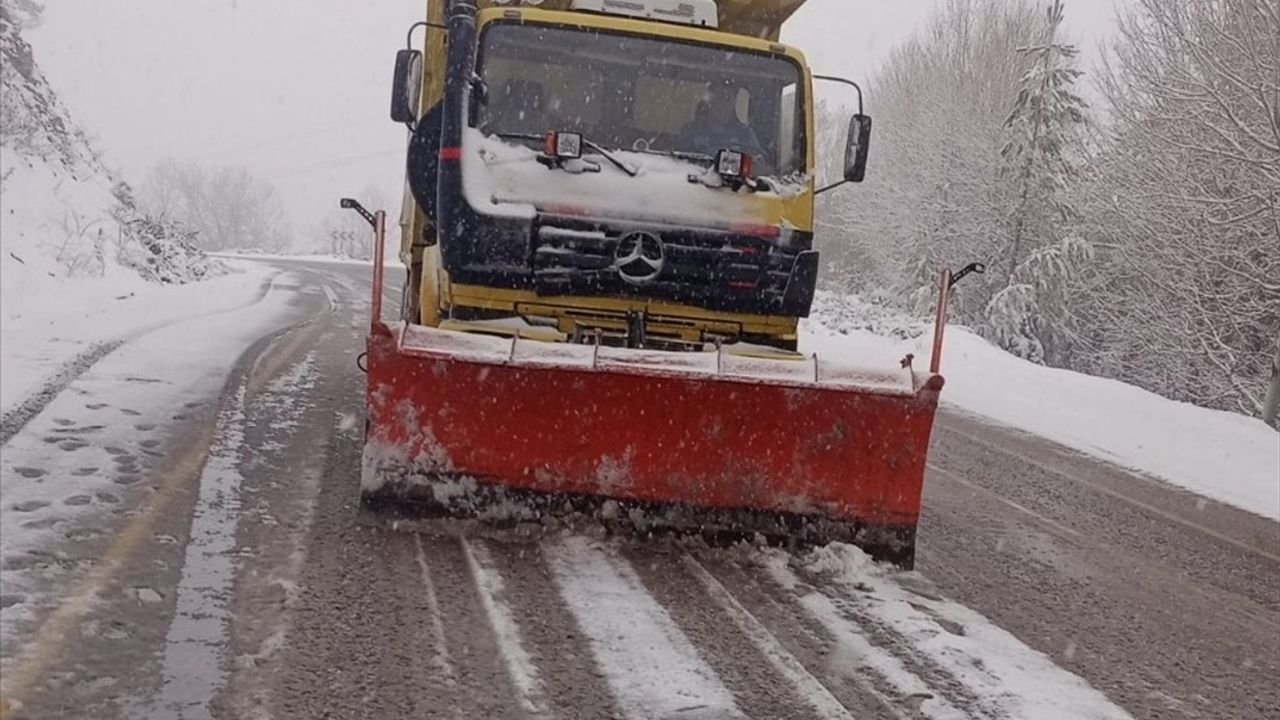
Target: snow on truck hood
502, 178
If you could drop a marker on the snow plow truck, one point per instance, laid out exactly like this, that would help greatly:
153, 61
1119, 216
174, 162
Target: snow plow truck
608, 235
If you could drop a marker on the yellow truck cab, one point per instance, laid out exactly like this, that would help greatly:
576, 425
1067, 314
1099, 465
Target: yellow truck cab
627, 172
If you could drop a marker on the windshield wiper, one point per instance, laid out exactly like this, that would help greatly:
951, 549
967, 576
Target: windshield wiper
682, 155
600, 150
608, 155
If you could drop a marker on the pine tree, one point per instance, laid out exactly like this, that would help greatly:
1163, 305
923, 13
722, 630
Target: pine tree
1029, 315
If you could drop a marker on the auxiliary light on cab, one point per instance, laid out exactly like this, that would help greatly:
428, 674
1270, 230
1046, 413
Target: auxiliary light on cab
734, 165
562, 145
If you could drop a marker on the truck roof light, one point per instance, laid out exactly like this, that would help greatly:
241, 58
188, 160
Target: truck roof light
702, 13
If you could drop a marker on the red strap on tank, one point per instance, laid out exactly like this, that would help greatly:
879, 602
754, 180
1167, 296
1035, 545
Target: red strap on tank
450, 153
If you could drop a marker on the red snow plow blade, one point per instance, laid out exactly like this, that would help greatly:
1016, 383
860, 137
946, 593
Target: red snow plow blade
756, 448
800, 448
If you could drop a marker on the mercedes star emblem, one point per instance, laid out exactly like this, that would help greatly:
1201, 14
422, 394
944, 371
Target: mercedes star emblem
640, 257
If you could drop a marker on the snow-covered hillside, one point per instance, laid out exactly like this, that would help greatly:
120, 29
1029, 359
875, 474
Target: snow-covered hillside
65, 216
73, 244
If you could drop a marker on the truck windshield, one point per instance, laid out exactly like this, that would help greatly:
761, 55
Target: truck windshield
643, 93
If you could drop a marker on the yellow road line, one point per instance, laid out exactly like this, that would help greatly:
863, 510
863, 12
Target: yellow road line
46, 646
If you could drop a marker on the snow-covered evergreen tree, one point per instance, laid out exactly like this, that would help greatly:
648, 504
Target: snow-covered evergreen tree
1030, 313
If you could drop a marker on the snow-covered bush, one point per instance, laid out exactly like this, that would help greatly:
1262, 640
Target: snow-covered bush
160, 249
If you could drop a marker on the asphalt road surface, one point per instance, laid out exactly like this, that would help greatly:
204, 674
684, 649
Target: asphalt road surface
246, 582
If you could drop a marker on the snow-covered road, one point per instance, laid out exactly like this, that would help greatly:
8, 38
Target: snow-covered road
235, 576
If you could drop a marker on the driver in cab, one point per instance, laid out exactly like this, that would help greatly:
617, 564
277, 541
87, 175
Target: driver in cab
716, 126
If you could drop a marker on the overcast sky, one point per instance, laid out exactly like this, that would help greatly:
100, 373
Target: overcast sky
297, 90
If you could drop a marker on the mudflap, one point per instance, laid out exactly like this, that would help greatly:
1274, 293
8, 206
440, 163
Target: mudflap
459, 425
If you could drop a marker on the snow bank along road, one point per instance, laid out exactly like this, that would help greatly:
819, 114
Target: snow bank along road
210, 560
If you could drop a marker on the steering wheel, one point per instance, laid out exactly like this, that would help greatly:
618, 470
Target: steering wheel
643, 144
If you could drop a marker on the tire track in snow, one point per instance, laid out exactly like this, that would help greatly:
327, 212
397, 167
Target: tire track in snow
26, 411
808, 686
332, 297
193, 662
287, 435
572, 680
441, 658
16, 419
757, 687
807, 640
359, 293
524, 674
652, 668
191, 667
976, 665
851, 640
935, 671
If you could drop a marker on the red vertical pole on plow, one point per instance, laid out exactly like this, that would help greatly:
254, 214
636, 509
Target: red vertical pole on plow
940, 324
379, 242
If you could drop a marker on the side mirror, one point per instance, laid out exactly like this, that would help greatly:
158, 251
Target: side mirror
855, 153
406, 86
